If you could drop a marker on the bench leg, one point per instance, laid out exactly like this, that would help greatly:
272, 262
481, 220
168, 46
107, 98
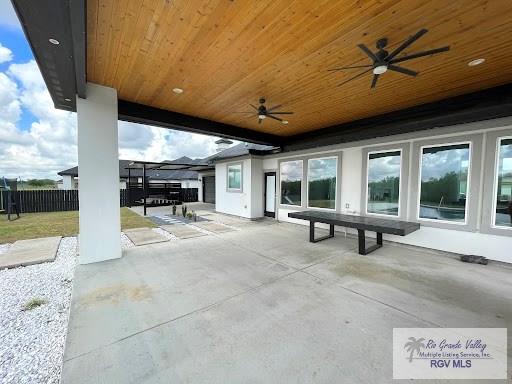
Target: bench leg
362, 242
312, 233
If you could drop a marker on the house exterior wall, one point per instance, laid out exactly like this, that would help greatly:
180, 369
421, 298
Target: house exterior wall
246, 203
476, 237
68, 182
200, 183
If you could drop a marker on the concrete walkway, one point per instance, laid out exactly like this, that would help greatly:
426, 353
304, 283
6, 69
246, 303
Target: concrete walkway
263, 305
29, 252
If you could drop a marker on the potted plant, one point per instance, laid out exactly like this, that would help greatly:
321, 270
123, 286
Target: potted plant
184, 210
189, 215
174, 209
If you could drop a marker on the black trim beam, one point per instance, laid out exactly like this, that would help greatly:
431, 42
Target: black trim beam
78, 12
143, 114
42, 20
482, 105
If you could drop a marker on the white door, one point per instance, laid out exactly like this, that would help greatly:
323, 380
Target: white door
270, 194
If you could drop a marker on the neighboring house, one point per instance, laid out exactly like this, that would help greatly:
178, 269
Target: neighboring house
187, 179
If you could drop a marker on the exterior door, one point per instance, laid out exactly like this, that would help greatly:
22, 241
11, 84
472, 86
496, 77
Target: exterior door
209, 189
270, 194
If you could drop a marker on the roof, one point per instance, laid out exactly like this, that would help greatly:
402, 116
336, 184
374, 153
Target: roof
159, 174
241, 149
223, 141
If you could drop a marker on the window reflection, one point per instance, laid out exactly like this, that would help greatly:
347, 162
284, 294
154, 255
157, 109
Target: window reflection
291, 182
444, 182
322, 183
383, 183
504, 185
235, 176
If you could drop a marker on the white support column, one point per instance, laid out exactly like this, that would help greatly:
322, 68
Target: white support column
98, 169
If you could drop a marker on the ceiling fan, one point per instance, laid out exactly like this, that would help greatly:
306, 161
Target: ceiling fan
262, 112
384, 61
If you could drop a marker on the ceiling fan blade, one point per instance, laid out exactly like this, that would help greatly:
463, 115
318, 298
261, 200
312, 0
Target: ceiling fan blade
374, 81
407, 42
366, 50
256, 108
274, 107
282, 113
352, 67
405, 71
420, 54
252, 113
355, 77
275, 118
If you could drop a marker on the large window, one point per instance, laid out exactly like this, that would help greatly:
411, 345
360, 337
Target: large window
444, 182
291, 182
503, 185
322, 183
235, 177
383, 183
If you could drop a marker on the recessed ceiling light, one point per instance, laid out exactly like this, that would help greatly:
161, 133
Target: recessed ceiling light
284, 122
54, 41
475, 62
178, 91
67, 99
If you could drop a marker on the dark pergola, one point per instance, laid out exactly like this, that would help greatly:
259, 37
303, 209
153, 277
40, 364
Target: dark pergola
166, 165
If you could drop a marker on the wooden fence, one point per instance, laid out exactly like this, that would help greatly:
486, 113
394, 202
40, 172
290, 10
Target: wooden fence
67, 200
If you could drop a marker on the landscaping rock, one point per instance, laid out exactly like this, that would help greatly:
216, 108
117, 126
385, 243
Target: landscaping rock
32, 341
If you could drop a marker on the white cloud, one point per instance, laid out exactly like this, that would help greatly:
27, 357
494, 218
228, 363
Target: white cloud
49, 144
5, 54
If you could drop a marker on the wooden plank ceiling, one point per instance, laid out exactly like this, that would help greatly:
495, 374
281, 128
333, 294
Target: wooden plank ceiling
226, 54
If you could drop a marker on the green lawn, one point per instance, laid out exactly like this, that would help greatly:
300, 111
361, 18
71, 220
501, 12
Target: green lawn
33, 225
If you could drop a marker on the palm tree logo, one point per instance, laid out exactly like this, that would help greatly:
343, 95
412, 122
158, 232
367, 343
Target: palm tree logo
414, 345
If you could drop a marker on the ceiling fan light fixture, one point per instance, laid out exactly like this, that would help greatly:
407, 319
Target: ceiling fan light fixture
261, 117
474, 63
380, 69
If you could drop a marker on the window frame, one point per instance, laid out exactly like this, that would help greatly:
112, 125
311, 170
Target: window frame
468, 187
495, 184
235, 190
399, 213
335, 188
301, 183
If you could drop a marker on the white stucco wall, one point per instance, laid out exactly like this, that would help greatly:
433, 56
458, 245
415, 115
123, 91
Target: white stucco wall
68, 182
477, 242
98, 162
200, 183
249, 202
256, 188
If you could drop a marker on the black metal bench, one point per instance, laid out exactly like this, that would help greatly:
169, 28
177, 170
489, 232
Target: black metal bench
361, 223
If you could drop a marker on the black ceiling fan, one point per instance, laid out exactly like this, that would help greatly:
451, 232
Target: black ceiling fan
384, 61
262, 112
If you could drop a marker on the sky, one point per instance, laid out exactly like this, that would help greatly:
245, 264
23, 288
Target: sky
37, 141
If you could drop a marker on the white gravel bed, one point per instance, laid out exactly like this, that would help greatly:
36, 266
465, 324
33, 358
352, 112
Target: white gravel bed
126, 242
32, 341
165, 234
4, 248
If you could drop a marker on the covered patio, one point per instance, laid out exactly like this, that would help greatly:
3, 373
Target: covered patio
263, 305
328, 120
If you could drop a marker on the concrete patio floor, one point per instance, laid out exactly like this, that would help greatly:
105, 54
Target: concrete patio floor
263, 305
